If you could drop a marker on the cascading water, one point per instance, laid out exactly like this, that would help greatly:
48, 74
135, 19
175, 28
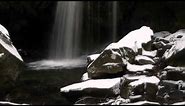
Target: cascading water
65, 39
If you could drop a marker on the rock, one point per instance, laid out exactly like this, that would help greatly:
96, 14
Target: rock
91, 58
151, 54
159, 44
174, 55
114, 57
171, 91
7, 44
85, 77
136, 38
161, 34
144, 60
179, 103
162, 75
109, 62
95, 88
139, 68
164, 40
175, 73
119, 100
115, 101
139, 85
175, 36
147, 46
11, 62
136, 98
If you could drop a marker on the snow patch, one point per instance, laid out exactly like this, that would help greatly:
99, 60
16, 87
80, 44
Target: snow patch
134, 38
93, 56
145, 59
98, 83
144, 79
142, 103
10, 103
135, 68
149, 53
4, 30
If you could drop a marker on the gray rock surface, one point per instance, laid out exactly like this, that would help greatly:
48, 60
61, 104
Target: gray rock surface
11, 62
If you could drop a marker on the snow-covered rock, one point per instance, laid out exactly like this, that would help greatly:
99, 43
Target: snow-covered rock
139, 68
85, 77
98, 87
7, 44
91, 58
149, 53
134, 39
112, 59
11, 62
144, 60
146, 86
109, 62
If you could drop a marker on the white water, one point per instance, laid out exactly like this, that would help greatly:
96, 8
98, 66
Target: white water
65, 39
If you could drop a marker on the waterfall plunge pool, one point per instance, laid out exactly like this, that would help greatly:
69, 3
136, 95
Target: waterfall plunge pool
58, 64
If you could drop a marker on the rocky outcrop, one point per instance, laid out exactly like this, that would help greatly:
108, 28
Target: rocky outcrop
11, 62
152, 70
115, 56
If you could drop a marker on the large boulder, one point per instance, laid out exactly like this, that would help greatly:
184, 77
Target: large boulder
109, 62
11, 62
136, 38
95, 88
114, 57
174, 55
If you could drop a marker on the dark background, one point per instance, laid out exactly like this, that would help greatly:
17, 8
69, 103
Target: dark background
30, 22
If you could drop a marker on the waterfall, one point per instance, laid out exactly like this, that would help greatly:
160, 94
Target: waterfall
65, 40
114, 20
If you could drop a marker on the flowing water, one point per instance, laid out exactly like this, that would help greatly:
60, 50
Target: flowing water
66, 34
65, 39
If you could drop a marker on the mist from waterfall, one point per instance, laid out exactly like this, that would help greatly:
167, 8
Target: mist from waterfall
65, 40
